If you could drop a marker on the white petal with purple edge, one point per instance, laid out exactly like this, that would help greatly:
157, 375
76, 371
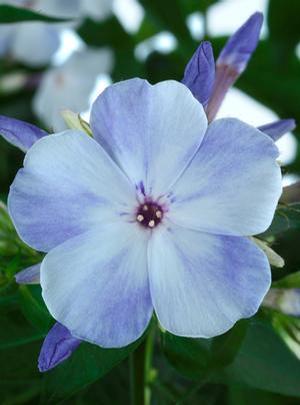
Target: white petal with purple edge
151, 131
68, 185
201, 284
96, 285
232, 185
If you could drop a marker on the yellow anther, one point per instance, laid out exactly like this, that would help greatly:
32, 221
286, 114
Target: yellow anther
151, 224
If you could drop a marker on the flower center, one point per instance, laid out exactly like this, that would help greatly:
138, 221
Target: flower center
149, 214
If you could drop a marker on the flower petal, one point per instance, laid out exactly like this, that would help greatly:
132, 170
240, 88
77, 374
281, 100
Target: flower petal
68, 185
30, 275
20, 133
277, 129
233, 184
42, 38
199, 74
96, 284
201, 284
151, 131
58, 345
70, 85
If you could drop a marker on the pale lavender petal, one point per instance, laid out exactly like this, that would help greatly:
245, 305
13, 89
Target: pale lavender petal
58, 345
199, 73
68, 185
152, 132
233, 60
233, 184
201, 284
34, 44
20, 133
277, 129
96, 284
30, 275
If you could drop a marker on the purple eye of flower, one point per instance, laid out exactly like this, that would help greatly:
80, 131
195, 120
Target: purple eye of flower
149, 214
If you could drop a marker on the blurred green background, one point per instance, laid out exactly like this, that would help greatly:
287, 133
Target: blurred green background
154, 39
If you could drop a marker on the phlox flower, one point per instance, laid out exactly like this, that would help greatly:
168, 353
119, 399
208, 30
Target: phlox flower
152, 215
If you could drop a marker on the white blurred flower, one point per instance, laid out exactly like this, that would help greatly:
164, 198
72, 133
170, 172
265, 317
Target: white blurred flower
34, 43
285, 300
70, 85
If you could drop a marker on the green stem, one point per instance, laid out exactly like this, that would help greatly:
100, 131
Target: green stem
192, 391
140, 371
148, 364
137, 376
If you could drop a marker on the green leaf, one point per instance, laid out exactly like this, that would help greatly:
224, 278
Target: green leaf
190, 357
86, 365
279, 18
290, 281
286, 218
33, 307
196, 358
15, 330
169, 15
11, 14
105, 33
264, 362
224, 348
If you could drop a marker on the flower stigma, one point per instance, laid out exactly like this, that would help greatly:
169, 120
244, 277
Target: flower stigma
149, 214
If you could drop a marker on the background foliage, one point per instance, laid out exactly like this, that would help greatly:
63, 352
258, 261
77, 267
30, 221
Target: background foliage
252, 362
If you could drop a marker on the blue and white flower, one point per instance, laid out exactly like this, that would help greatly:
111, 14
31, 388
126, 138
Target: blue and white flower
152, 215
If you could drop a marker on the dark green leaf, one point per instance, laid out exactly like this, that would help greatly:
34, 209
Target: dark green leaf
15, 330
225, 347
33, 307
196, 358
87, 364
279, 18
188, 356
106, 33
286, 218
290, 281
264, 362
11, 14
168, 15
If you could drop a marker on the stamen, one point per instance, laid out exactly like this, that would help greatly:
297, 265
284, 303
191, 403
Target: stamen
149, 214
158, 214
140, 218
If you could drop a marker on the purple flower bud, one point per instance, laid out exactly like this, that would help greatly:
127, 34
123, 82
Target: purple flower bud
277, 129
30, 275
20, 133
233, 60
58, 345
240, 46
199, 74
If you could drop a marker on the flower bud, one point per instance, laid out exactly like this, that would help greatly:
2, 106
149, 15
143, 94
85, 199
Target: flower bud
58, 345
